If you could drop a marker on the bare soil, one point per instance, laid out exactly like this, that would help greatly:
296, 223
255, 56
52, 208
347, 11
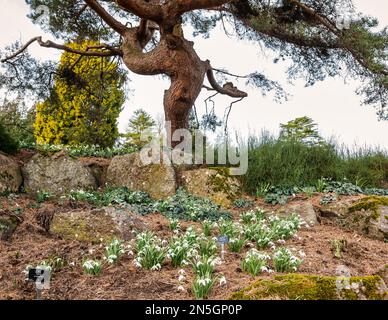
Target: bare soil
30, 245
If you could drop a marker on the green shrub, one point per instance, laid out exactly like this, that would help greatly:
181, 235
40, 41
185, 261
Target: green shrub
287, 163
7, 143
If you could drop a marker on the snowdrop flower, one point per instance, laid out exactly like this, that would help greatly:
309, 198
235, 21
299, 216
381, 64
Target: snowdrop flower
184, 262
156, 267
181, 278
137, 263
302, 254
222, 281
264, 269
281, 241
72, 264
130, 253
164, 242
181, 288
182, 272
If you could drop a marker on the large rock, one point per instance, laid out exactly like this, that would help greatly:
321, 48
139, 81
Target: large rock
157, 179
57, 174
10, 175
366, 215
215, 184
98, 225
8, 225
314, 287
304, 209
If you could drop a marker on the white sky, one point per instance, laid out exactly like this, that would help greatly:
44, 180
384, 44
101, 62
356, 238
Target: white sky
332, 103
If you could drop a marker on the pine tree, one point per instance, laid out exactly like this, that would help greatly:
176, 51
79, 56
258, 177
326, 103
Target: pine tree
302, 130
140, 123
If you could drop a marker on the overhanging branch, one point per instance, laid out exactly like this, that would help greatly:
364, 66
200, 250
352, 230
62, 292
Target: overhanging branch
110, 21
50, 44
227, 88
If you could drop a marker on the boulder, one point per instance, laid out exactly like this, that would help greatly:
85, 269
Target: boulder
10, 175
157, 179
97, 225
8, 225
314, 287
304, 209
215, 184
56, 174
367, 215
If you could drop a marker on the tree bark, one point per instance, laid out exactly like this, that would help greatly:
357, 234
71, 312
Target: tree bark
175, 57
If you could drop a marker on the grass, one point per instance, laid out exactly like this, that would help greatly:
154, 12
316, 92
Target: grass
281, 163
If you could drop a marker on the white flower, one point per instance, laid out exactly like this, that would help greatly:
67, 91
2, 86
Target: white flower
222, 281
156, 267
182, 272
302, 254
137, 263
181, 278
164, 242
181, 288
264, 269
281, 241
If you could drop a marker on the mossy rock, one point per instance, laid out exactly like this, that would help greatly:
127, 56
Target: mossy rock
370, 216
95, 226
372, 203
10, 175
214, 183
314, 287
157, 179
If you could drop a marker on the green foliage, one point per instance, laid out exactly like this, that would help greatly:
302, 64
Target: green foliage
255, 262
139, 201
79, 150
327, 199
7, 143
43, 196
150, 252
185, 206
18, 121
285, 261
140, 124
85, 103
236, 244
202, 286
243, 203
92, 267
302, 130
181, 206
287, 164
114, 250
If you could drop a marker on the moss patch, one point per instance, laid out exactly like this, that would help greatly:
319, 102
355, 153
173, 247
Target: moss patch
371, 203
312, 287
84, 227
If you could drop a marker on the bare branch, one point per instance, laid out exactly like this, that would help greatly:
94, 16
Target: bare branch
49, 44
227, 88
110, 21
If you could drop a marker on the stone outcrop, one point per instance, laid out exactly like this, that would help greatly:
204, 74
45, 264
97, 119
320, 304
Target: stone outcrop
10, 175
215, 184
97, 225
56, 174
157, 179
